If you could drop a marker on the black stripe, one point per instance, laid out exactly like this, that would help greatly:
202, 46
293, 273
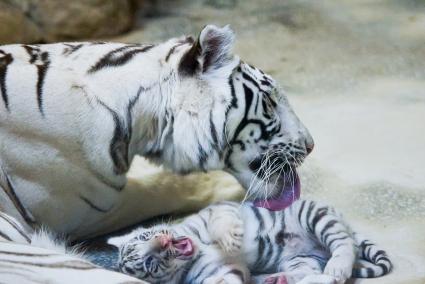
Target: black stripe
89, 203
201, 271
233, 104
259, 218
171, 51
248, 78
268, 252
310, 209
5, 60
28, 254
320, 213
214, 134
119, 144
385, 269
324, 237
370, 272
261, 246
15, 226
301, 210
115, 58
41, 61
71, 264
5, 237
238, 273
295, 265
202, 157
41, 71
328, 225
71, 48
10, 191
376, 255
337, 239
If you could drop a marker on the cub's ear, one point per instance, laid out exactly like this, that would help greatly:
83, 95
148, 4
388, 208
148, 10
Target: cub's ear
118, 241
211, 51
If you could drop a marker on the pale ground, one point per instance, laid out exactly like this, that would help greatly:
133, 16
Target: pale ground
355, 74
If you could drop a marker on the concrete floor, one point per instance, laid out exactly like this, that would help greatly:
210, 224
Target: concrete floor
355, 74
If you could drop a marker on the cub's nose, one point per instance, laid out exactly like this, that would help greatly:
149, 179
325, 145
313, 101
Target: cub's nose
164, 240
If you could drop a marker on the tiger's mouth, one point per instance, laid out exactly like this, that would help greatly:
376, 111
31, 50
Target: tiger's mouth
289, 191
184, 247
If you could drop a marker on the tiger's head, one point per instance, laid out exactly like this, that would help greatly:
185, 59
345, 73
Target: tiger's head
156, 254
230, 115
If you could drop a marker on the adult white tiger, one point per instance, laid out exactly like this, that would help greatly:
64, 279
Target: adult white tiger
73, 116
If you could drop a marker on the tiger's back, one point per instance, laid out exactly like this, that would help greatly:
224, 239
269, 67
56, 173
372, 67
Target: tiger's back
64, 126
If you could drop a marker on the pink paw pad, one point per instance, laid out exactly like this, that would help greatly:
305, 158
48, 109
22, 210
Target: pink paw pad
278, 279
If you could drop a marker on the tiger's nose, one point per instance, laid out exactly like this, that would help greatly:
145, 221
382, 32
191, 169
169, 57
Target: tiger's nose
309, 143
309, 147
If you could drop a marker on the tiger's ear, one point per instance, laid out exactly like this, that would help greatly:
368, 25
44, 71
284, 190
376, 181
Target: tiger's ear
118, 241
211, 51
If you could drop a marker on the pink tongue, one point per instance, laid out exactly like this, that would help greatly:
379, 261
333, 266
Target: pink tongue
184, 246
290, 192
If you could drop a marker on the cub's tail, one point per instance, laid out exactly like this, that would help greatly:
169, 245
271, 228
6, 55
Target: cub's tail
374, 261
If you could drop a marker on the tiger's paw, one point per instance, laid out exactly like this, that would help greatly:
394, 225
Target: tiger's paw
340, 268
229, 236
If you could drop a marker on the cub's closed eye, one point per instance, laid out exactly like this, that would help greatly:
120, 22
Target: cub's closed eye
145, 236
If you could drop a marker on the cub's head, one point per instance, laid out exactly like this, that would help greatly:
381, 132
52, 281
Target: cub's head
155, 254
232, 116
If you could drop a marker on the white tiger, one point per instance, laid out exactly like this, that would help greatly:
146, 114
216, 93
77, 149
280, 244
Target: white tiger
74, 115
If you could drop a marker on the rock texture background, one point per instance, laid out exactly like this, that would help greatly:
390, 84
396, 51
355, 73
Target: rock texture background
32, 21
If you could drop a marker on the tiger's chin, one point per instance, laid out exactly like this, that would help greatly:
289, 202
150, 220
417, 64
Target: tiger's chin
287, 191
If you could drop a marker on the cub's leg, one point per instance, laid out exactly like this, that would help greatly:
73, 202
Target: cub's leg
226, 227
212, 268
301, 269
330, 230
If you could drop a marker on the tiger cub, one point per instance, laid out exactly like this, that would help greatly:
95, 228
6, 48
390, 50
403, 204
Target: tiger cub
225, 242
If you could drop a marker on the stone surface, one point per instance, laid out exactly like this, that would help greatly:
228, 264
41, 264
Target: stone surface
47, 20
354, 72
16, 27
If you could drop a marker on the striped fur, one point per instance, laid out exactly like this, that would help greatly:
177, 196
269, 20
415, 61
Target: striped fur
305, 242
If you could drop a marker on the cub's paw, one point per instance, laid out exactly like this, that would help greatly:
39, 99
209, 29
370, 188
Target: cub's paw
279, 278
229, 236
215, 280
340, 268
